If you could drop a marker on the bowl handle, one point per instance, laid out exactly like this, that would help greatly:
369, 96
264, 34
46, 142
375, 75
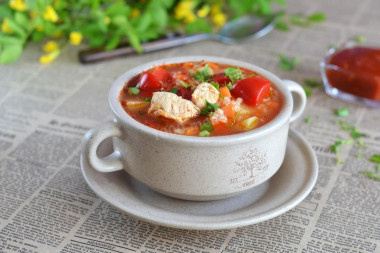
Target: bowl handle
299, 99
91, 142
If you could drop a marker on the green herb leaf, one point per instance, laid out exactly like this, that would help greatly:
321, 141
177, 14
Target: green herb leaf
375, 158
312, 82
147, 99
355, 134
204, 133
282, 26
204, 75
174, 90
216, 85
360, 39
335, 146
234, 119
9, 40
287, 63
10, 53
299, 20
207, 126
317, 17
307, 90
359, 155
234, 74
183, 84
210, 108
371, 174
343, 112
133, 91
308, 120
17, 28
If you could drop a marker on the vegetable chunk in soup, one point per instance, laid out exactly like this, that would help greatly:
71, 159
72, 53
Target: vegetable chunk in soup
201, 99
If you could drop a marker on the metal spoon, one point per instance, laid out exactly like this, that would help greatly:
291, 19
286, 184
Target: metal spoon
239, 29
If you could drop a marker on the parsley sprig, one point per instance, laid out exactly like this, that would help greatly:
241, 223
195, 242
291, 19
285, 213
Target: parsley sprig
234, 74
206, 128
204, 75
210, 108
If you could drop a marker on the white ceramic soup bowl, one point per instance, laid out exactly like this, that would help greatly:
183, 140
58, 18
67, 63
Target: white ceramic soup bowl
192, 167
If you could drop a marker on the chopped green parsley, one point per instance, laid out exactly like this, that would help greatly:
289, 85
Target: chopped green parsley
234, 74
185, 85
174, 90
133, 91
204, 133
207, 126
204, 75
210, 108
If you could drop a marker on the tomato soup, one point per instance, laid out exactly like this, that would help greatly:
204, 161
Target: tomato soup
201, 99
357, 72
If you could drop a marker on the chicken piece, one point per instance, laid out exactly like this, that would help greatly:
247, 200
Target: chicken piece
218, 117
203, 92
171, 106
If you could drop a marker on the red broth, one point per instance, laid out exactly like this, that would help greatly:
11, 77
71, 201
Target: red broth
240, 99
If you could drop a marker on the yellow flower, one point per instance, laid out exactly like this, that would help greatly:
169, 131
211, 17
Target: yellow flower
50, 46
135, 13
190, 17
75, 38
204, 11
40, 28
18, 5
107, 20
5, 27
50, 14
47, 58
219, 19
183, 9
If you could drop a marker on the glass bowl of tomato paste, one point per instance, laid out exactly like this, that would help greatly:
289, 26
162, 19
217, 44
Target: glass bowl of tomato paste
351, 72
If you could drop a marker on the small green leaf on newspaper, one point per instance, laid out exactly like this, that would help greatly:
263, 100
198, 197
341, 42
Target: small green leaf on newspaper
312, 82
371, 174
375, 158
307, 90
360, 39
288, 63
343, 112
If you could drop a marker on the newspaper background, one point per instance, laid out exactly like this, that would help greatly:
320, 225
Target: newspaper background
46, 206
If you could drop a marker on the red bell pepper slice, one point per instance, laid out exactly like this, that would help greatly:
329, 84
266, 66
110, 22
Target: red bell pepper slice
252, 90
153, 81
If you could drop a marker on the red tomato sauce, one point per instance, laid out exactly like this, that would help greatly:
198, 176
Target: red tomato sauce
243, 99
358, 73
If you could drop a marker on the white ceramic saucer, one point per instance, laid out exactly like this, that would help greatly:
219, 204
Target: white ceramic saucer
287, 188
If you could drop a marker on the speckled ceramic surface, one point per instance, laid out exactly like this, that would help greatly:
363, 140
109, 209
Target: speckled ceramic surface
287, 188
193, 167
